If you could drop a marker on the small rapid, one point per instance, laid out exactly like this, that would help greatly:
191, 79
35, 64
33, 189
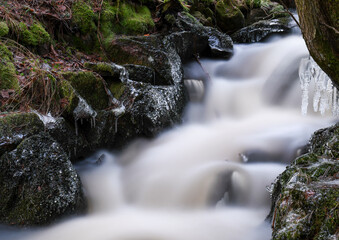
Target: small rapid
210, 177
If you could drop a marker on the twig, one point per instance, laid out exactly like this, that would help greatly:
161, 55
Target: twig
202, 67
286, 8
330, 27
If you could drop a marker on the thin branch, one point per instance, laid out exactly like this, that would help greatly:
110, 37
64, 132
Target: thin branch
202, 67
291, 14
330, 27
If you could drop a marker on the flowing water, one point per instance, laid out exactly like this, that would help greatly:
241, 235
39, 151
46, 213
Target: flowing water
209, 178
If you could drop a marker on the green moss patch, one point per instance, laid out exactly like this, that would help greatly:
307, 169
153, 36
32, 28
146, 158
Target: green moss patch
90, 87
84, 17
3, 29
8, 79
229, 17
33, 35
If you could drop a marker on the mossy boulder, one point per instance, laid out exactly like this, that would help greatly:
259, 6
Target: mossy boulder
38, 183
306, 195
90, 87
33, 35
3, 29
229, 17
17, 126
8, 79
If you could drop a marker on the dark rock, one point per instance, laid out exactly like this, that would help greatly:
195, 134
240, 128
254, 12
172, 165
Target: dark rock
220, 45
38, 183
15, 127
305, 196
140, 73
147, 51
212, 43
75, 145
188, 43
258, 31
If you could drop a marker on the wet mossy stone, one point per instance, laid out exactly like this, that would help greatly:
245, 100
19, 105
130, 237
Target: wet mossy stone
33, 35
147, 51
38, 183
305, 196
229, 17
3, 29
17, 126
90, 87
8, 79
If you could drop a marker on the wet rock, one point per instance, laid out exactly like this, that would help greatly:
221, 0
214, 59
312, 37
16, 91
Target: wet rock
38, 183
220, 45
17, 126
305, 196
76, 146
140, 73
229, 17
258, 31
146, 51
212, 43
90, 87
187, 43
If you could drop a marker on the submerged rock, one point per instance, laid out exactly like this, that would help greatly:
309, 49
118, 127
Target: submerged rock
38, 183
306, 195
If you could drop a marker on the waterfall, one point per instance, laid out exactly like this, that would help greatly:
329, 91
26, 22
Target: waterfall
210, 177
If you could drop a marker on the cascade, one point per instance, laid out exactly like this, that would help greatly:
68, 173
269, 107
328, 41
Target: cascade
207, 178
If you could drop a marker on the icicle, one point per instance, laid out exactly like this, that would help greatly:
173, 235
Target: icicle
93, 121
305, 78
334, 102
76, 127
323, 98
116, 125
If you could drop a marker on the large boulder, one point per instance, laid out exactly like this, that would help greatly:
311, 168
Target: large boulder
319, 25
38, 183
306, 195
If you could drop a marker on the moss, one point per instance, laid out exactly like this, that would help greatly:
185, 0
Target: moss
117, 89
34, 35
69, 96
8, 79
108, 19
90, 87
84, 17
135, 20
3, 29
229, 17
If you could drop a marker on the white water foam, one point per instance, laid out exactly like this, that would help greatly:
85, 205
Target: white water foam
192, 182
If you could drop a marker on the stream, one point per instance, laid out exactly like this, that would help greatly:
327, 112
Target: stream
208, 178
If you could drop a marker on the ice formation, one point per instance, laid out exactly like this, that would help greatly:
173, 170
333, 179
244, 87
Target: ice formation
325, 97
